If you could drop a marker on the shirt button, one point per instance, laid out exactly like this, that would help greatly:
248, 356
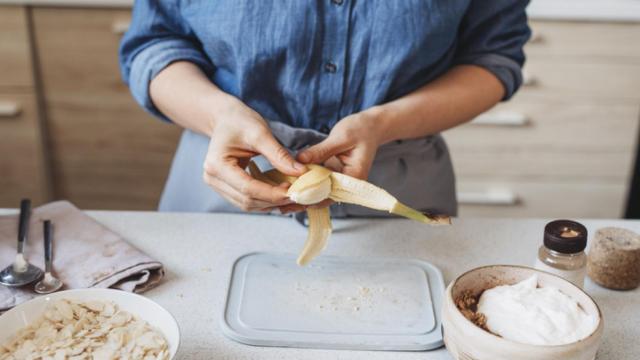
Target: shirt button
337, 2
325, 129
330, 67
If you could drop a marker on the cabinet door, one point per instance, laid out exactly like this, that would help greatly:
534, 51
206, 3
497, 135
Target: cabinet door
15, 59
563, 146
22, 171
107, 153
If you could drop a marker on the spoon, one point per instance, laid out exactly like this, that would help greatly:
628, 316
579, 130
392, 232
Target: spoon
49, 284
21, 272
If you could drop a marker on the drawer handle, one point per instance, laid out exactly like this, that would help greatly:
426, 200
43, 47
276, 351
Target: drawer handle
504, 118
496, 197
528, 79
536, 37
9, 109
119, 27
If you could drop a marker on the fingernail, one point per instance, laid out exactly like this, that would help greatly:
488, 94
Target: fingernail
298, 166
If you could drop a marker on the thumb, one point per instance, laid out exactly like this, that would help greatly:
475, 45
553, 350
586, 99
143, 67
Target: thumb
279, 157
322, 151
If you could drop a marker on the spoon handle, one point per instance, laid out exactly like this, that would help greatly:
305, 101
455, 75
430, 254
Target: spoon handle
47, 246
23, 226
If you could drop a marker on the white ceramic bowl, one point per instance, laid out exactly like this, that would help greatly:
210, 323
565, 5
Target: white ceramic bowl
23, 314
466, 341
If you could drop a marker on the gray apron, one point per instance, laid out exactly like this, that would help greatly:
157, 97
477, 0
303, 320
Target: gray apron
418, 172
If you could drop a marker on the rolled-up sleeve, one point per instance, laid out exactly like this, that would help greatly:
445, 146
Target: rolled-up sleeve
157, 37
492, 35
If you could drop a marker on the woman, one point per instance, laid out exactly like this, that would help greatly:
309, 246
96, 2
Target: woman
362, 86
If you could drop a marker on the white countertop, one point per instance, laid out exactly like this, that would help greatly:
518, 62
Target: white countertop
572, 10
198, 251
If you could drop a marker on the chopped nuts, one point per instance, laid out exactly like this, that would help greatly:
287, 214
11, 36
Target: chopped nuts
468, 306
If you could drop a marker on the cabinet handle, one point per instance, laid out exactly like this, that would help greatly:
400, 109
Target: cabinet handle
504, 118
9, 109
119, 27
528, 79
536, 37
495, 197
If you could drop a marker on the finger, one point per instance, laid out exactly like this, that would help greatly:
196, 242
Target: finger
285, 185
333, 163
357, 163
229, 194
292, 208
235, 197
322, 151
242, 182
279, 157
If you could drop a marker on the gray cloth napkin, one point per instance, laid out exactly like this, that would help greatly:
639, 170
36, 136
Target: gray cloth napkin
85, 254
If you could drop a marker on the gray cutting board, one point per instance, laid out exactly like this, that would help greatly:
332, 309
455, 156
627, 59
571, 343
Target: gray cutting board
334, 303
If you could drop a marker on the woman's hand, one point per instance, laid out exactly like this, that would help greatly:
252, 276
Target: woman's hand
184, 94
237, 134
350, 147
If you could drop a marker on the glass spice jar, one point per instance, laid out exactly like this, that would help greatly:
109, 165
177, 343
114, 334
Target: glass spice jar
562, 252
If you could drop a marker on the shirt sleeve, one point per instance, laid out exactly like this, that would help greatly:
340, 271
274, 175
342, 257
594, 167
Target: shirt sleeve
156, 38
492, 35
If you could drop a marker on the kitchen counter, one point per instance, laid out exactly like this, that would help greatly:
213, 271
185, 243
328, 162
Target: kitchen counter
198, 251
583, 10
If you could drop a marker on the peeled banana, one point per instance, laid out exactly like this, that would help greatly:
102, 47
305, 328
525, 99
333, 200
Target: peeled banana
320, 183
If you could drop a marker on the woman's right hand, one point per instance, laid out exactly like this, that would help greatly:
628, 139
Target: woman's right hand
184, 94
238, 133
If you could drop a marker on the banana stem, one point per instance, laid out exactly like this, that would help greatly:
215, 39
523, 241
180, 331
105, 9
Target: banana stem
403, 210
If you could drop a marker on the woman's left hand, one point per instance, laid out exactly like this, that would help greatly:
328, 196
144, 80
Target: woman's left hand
350, 147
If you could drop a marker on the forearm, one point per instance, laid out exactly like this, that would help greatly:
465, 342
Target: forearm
185, 95
454, 98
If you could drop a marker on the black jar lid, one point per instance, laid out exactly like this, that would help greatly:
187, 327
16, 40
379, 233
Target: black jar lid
565, 236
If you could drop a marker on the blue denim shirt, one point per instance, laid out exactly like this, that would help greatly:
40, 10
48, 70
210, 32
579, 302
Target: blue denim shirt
309, 63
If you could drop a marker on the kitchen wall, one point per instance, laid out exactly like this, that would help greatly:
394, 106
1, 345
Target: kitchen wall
564, 146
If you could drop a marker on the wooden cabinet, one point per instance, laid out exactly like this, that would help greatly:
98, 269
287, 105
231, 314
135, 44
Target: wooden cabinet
22, 165
564, 145
15, 55
107, 153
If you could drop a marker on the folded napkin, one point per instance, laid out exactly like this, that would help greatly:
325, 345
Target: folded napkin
85, 254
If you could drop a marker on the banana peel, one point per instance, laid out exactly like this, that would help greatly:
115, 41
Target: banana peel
320, 183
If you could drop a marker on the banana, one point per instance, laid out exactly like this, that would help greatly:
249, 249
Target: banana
312, 187
319, 232
320, 183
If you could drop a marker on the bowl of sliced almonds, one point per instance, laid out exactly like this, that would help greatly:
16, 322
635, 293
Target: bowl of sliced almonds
89, 324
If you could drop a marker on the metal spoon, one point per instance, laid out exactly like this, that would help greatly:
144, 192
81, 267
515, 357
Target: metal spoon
49, 284
21, 272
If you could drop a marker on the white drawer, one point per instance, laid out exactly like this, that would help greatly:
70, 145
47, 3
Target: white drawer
582, 79
517, 166
584, 39
572, 199
556, 123
558, 139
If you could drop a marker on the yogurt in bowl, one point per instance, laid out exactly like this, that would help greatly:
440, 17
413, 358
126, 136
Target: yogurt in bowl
514, 311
